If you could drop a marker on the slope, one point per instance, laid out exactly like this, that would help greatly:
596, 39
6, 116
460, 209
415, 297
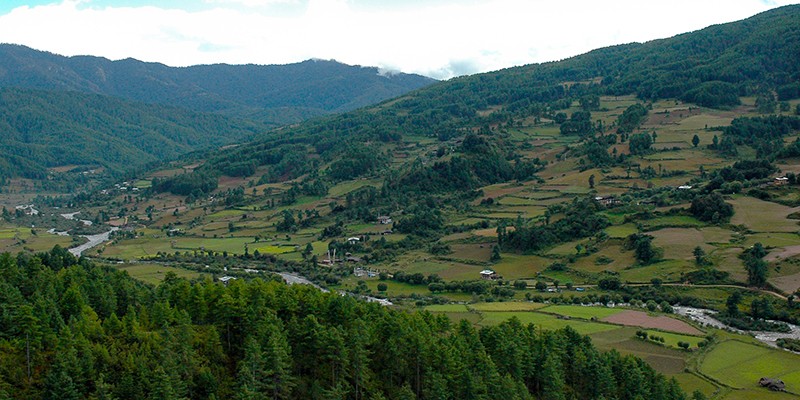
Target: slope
43, 129
277, 94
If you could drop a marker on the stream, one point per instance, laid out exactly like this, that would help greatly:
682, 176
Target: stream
94, 240
706, 318
292, 279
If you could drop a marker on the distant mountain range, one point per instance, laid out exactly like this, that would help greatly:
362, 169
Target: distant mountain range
274, 94
119, 114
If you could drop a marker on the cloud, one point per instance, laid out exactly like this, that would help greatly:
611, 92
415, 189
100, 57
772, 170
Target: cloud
438, 38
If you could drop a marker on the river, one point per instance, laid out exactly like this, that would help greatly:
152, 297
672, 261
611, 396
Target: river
293, 279
706, 318
94, 240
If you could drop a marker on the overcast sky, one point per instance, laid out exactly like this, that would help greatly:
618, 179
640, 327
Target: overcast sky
437, 38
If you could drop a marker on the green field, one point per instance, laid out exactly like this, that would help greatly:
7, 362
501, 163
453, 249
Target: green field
621, 231
582, 312
506, 306
545, 321
741, 365
762, 216
448, 308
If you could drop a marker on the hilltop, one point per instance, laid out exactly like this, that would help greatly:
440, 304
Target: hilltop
271, 94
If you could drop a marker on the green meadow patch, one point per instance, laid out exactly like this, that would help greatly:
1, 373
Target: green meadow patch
545, 321
741, 365
270, 249
583, 312
762, 216
621, 231
447, 308
507, 306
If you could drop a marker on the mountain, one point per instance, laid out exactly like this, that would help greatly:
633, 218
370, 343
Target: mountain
711, 67
276, 94
45, 129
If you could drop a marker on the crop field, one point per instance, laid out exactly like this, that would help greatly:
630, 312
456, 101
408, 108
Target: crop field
270, 249
763, 216
672, 339
514, 266
773, 239
447, 308
477, 252
621, 231
678, 243
671, 221
349, 186
583, 312
661, 322
741, 365
611, 257
545, 321
506, 306
667, 271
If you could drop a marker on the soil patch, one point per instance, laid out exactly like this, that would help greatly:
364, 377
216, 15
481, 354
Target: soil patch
788, 283
638, 318
783, 253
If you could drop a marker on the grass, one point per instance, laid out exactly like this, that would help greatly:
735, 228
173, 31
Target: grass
582, 311
678, 243
671, 221
667, 271
621, 231
274, 249
447, 308
544, 321
741, 365
514, 266
773, 239
762, 216
506, 306
672, 339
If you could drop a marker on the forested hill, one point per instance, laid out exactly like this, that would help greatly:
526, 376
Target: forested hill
276, 94
712, 67
41, 129
74, 330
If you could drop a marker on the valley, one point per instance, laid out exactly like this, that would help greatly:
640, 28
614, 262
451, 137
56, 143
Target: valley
641, 199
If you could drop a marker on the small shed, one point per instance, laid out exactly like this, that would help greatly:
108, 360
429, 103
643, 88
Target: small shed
772, 384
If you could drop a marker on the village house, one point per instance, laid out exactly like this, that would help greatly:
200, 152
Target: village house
384, 220
607, 200
780, 181
489, 275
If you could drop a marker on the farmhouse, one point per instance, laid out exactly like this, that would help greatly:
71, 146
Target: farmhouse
489, 275
353, 240
225, 279
607, 200
384, 220
684, 187
780, 181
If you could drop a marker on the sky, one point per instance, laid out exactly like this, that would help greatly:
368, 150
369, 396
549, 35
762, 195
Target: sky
437, 38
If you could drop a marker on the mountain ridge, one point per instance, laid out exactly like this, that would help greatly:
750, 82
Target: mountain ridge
314, 87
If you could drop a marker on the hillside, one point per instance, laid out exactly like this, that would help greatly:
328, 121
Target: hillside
273, 94
42, 130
